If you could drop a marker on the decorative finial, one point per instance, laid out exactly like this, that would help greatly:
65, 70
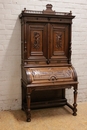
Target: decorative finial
70, 12
24, 9
48, 9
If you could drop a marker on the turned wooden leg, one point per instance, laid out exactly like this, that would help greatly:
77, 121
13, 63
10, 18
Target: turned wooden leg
22, 87
28, 96
28, 116
75, 99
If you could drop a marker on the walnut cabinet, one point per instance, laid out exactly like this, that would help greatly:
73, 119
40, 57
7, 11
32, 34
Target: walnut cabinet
46, 59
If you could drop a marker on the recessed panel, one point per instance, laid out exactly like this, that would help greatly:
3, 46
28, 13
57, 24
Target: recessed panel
36, 41
59, 43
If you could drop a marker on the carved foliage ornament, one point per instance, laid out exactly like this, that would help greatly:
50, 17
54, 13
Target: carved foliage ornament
58, 40
36, 44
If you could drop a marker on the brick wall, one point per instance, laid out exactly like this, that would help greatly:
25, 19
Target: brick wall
10, 46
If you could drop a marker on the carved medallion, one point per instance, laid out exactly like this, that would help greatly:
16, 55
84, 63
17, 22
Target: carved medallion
36, 44
58, 40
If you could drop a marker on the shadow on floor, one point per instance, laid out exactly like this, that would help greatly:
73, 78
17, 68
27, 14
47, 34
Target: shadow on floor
20, 115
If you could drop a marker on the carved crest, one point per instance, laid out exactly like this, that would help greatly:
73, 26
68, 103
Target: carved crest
48, 9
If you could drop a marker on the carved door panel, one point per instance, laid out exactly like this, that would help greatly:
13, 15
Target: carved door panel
37, 42
59, 44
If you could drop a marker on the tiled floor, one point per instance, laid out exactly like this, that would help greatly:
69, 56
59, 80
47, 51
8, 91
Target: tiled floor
60, 118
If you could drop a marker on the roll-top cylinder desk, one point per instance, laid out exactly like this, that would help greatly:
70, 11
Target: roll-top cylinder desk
46, 59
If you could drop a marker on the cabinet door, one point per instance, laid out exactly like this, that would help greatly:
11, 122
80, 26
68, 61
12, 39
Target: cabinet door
59, 44
36, 42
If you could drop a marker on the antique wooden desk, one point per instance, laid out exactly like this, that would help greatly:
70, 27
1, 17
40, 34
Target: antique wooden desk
46, 59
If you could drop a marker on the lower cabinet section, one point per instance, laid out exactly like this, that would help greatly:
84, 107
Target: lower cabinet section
46, 87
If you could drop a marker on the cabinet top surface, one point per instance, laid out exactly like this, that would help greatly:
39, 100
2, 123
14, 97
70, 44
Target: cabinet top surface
48, 12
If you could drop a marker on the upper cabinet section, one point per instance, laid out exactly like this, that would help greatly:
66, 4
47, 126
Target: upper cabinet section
46, 37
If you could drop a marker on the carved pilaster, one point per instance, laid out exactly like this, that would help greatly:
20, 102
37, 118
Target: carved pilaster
25, 43
70, 45
70, 52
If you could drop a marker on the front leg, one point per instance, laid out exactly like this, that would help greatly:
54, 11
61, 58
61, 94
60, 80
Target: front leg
75, 99
28, 98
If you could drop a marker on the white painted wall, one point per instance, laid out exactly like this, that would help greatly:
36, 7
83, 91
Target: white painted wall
10, 46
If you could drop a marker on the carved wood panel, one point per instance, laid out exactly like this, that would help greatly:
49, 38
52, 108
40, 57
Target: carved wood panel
50, 74
37, 41
59, 42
